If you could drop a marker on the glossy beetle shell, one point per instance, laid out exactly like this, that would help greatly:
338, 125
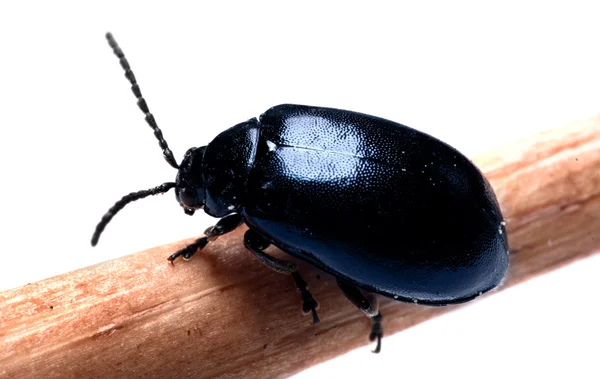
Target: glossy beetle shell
376, 203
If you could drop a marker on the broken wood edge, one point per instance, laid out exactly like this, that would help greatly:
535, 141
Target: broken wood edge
224, 314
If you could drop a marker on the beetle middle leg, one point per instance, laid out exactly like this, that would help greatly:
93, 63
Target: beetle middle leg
368, 307
225, 225
257, 244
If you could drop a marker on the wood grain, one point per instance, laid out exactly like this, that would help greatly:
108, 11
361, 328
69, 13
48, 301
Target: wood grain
224, 314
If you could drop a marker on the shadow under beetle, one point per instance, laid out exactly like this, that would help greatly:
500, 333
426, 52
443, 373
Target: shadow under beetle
382, 207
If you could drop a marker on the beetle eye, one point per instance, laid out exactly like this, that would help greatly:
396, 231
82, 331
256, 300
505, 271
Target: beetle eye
188, 211
187, 197
190, 199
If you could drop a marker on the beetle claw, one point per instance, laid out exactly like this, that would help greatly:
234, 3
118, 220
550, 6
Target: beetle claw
311, 305
378, 347
316, 319
187, 252
172, 258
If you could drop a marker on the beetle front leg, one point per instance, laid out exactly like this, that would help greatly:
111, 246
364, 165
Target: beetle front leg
256, 244
368, 307
225, 225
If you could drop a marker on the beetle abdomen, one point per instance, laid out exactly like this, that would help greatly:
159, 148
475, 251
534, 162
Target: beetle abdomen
381, 205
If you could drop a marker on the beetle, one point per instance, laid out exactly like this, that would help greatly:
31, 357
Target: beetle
382, 207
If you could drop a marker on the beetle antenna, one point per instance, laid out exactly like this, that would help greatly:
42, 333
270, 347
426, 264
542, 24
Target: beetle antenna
123, 202
141, 102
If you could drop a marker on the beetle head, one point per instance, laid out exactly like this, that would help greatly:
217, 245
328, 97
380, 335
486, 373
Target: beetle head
189, 189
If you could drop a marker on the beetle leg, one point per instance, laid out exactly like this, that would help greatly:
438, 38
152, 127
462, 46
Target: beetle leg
189, 250
225, 225
309, 304
370, 308
256, 244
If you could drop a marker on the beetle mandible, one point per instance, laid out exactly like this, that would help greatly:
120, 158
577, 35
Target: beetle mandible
382, 207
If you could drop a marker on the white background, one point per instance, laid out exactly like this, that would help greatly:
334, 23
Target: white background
73, 140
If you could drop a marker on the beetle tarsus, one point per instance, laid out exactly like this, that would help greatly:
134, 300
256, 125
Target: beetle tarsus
376, 332
369, 307
309, 304
316, 319
256, 244
225, 225
191, 249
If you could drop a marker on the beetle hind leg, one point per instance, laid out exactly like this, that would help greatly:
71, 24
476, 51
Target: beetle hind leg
257, 244
369, 307
376, 331
225, 225
309, 304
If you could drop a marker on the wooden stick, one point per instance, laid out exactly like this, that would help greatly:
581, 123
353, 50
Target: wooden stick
225, 314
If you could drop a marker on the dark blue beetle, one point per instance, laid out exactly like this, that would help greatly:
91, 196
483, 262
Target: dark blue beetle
382, 207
